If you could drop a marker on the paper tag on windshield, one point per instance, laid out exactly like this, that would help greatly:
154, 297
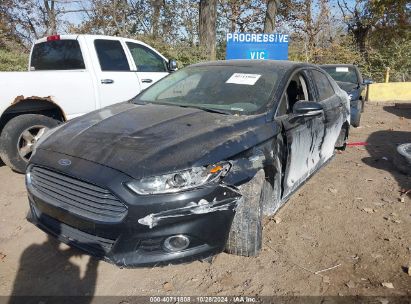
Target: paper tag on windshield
342, 69
246, 79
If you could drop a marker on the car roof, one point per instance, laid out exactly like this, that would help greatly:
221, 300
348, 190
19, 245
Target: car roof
338, 65
279, 64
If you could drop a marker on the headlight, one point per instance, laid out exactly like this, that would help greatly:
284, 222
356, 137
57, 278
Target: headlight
349, 97
179, 181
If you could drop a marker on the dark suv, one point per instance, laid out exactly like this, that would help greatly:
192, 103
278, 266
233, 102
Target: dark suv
349, 78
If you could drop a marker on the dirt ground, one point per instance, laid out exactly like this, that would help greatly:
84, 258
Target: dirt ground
348, 216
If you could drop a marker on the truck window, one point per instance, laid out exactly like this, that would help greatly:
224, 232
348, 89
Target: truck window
57, 55
111, 55
145, 59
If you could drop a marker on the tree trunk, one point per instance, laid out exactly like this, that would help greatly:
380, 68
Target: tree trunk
157, 4
270, 15
207, 26
51, 17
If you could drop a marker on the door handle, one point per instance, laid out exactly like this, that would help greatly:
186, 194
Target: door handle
107, 81
147, 80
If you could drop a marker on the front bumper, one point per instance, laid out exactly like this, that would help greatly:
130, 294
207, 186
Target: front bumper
137, 238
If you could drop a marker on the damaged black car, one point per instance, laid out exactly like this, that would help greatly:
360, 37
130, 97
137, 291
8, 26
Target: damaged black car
349, 78
187, 168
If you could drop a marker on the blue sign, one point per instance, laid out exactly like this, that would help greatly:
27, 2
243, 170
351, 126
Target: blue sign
257, 46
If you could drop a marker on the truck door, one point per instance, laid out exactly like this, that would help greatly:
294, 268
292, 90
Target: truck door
115, 80
150, 66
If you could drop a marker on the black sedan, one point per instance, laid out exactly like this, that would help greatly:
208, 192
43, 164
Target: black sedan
188, 167
349, 78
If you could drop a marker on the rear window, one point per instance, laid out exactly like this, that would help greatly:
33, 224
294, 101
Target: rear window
111, 55
57, 55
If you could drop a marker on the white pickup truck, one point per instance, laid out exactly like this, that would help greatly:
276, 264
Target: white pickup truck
70, 75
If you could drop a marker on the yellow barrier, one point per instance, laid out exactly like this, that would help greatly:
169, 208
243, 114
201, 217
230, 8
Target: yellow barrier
390, 92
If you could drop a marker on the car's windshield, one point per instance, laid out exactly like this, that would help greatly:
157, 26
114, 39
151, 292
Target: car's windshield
231, 89
342, 73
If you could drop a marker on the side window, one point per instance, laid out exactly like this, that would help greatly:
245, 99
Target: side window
325, 90
111, 55
145, 59
297, 90
57, 55
283, 106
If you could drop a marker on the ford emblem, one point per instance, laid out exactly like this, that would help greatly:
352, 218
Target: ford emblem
64, 162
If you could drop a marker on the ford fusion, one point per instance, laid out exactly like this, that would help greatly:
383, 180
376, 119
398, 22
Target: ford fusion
188, 167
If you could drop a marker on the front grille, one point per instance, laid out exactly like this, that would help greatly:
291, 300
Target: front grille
76, 196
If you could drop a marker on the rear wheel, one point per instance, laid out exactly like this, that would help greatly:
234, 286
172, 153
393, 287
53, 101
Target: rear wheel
245, 237
19, 137
341, 143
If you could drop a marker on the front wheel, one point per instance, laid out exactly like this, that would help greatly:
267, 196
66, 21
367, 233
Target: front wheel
355, 122
19, 137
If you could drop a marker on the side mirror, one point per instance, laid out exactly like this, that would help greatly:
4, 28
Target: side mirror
367, 81
307, 109
172, 65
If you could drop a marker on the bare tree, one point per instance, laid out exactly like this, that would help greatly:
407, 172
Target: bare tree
359, 20
207, 26
242, 16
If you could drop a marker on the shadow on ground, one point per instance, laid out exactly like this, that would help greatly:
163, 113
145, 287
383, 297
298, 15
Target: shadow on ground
403, 110
382, 147
46, 271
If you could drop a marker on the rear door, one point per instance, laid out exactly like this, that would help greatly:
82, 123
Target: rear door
59, 69
333, 112
303, 134
149, 65
116, 82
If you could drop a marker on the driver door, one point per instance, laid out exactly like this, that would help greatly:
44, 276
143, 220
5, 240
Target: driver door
304, 134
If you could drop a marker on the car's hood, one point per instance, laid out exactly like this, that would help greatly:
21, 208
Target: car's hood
146, 140
347, 86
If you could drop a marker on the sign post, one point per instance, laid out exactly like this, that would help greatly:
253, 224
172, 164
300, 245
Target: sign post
257, 46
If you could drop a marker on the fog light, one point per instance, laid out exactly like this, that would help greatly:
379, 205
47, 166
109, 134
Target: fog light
176, 243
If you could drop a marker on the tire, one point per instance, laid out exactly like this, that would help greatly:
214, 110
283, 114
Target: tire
356, 122
245, 237
341, 143
19, 136
402, 159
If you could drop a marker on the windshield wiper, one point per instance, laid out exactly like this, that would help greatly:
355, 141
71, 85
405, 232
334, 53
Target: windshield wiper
211, 110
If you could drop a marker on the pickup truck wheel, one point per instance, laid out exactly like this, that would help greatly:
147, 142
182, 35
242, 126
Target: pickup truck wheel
19, 137
245, 237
